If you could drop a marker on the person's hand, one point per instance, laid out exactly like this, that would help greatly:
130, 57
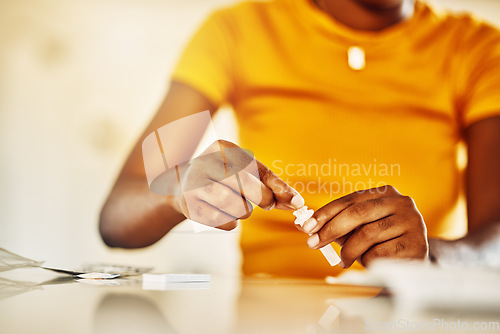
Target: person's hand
220, 185
370, 224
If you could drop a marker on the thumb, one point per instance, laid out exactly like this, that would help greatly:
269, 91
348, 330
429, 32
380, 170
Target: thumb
237, 159
286, 197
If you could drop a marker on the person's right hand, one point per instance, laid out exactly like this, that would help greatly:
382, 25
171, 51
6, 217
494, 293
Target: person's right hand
220, 185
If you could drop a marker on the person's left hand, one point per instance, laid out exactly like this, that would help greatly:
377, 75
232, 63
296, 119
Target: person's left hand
370, 224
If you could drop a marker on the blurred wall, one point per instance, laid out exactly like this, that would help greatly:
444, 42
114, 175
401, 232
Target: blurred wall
78, 81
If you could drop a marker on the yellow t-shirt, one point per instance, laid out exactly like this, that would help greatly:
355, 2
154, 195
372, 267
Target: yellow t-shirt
328, 129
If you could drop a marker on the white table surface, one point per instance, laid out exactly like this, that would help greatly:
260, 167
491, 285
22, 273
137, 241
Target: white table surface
230, 305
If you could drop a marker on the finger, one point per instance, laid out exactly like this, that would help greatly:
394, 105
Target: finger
204, 213
239, 170
237, 160
235, 169
341, 241
225, 199
358, 214
231, 160
353, 217
251, 188
332, 209
368, 235
398, 248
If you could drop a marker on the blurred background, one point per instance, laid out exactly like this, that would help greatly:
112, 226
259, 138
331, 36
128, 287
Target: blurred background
78, 82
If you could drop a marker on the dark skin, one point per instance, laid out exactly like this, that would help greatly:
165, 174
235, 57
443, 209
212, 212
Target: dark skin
133, 216
369, 224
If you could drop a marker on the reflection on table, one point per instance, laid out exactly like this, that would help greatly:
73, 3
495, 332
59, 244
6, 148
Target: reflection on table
227, 305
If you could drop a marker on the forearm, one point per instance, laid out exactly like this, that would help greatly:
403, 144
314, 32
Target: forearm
133, 216
480, 248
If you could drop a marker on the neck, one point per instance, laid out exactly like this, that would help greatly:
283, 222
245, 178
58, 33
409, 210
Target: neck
361, 15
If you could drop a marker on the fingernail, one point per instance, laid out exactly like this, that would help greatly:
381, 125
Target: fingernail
313, 241
341, 264
310, 225
297, 201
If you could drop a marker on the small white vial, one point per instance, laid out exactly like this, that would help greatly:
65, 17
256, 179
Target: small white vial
304, 214
356, 58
